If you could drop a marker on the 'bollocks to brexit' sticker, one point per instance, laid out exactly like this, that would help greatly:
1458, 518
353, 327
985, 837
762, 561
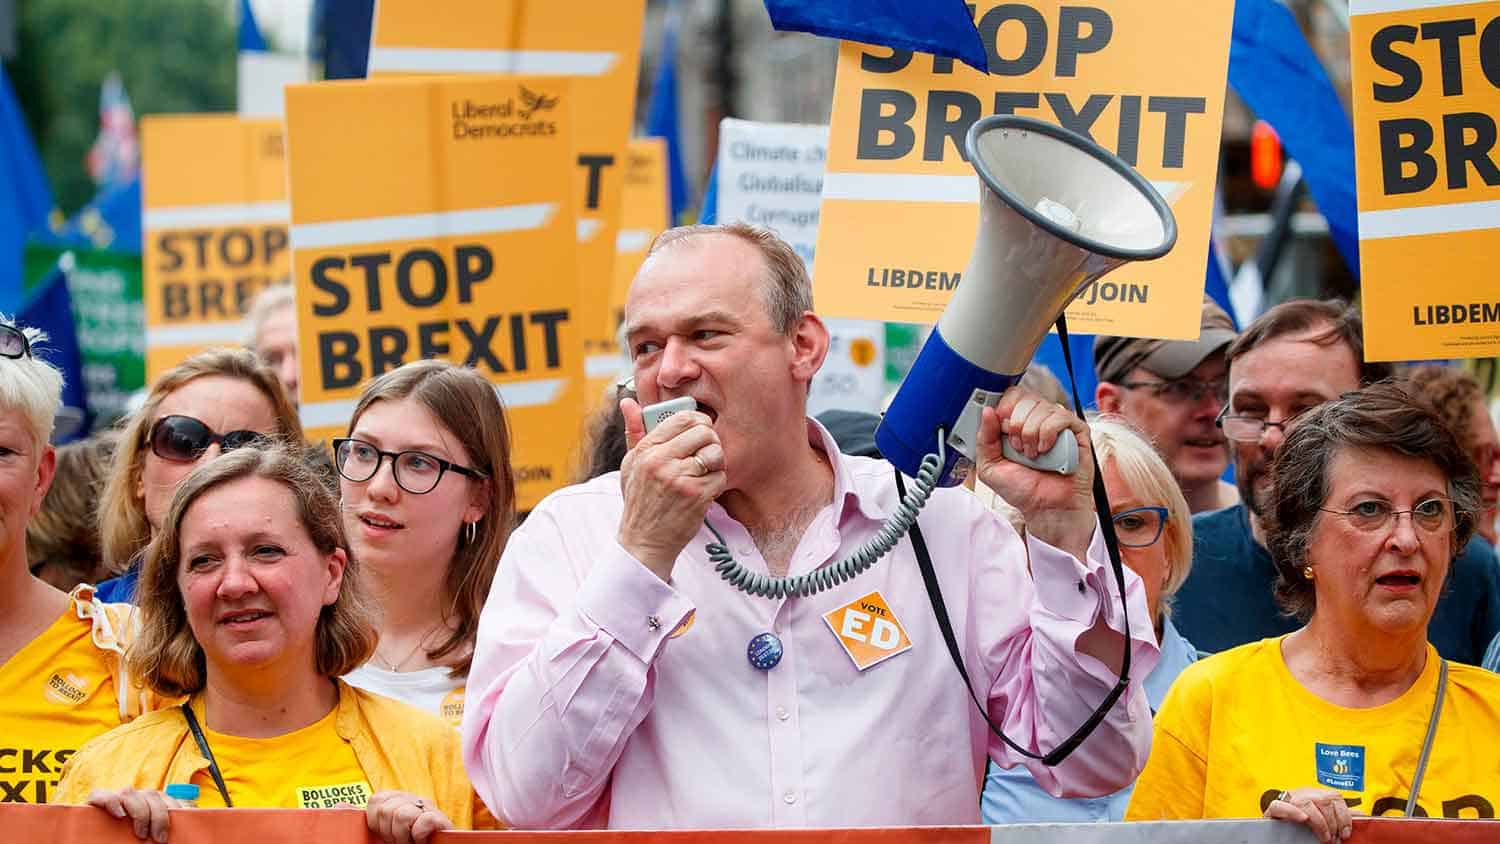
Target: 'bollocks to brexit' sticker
1341, 766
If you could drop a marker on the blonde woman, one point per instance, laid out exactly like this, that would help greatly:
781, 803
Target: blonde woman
61, 665
1156, 541
252, 605
213, 402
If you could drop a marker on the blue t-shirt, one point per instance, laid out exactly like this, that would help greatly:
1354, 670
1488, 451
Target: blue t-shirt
120, 590
1227, 600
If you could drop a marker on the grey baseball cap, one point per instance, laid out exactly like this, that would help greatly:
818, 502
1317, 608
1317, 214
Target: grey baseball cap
1115, 357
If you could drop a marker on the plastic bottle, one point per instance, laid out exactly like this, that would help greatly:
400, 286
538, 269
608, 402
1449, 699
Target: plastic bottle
186, 794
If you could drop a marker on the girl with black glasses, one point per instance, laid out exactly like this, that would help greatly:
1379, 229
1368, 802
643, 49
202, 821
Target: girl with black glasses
429, 501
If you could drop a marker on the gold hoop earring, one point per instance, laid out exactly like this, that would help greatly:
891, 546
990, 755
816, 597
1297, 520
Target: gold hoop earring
1307, 573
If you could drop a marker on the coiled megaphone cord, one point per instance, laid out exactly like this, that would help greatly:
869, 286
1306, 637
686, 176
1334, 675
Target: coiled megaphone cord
852, 566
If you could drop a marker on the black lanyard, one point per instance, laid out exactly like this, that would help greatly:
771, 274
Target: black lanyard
202, 740
1111, 544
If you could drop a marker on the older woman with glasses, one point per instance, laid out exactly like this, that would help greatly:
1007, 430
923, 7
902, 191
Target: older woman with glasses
213, 402
429, 501
1156, 541
1354, 712
251, 606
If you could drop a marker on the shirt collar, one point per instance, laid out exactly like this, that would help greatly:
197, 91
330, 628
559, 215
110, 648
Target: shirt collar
871, 501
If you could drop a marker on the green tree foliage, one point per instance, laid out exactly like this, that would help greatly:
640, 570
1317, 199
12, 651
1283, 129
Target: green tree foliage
173, 55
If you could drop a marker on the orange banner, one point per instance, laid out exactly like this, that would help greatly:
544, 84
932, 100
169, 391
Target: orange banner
87, 825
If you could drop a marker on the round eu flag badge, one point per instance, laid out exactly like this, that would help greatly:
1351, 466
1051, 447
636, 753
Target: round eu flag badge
764, 651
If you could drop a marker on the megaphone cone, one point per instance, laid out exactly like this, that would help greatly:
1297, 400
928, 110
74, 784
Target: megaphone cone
1056, 212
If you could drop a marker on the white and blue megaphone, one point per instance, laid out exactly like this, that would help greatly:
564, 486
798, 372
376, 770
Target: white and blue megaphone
1056, 212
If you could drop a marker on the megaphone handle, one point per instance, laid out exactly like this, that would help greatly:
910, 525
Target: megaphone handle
1062, 458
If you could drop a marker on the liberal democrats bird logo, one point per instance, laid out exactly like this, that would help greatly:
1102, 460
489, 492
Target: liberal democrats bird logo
532, 102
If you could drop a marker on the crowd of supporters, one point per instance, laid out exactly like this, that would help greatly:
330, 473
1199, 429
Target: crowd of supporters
198, 606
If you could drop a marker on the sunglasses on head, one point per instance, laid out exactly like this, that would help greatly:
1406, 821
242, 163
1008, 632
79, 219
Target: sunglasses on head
183, 439
13, 342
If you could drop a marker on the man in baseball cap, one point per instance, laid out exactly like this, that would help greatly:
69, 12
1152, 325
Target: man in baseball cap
1172, 390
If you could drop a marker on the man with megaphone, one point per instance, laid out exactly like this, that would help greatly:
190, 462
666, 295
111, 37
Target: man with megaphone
730, 633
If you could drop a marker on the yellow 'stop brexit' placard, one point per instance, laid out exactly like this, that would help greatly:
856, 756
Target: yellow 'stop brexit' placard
214, 220
412, 241
1144, 80
1426, 100
596, 45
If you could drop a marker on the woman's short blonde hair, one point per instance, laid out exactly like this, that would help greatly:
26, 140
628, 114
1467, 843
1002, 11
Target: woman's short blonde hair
1147, 475
32, 386
123, 529
166, 656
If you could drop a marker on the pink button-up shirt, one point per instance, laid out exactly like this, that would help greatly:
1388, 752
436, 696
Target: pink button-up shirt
584, 710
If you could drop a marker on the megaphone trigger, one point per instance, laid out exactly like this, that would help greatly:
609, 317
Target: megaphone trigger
1062, 458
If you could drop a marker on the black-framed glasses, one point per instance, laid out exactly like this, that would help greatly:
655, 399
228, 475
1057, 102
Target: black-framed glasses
183, 439
1183, 390
13, 342
417, 472
1431, 515
1249, 429
1140, 527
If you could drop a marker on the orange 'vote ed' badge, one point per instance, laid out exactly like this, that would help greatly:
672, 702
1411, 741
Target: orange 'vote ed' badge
868, 630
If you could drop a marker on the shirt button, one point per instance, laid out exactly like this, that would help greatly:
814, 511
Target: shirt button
782, 714
655, 623
790, 797
1081, 588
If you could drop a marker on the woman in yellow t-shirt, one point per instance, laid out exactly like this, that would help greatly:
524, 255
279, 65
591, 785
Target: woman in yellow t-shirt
61, 656
1355, 712
252, 606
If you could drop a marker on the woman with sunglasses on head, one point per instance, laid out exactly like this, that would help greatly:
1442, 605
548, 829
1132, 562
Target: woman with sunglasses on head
213, 402
62, 679
429, 502
251, 606
1155, 531
1355, 712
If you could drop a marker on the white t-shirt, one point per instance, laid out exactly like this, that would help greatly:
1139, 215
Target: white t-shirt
428, 688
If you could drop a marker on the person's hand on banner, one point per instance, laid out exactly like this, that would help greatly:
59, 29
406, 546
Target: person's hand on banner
1321, 810
396, 817
146, 810
1059, 509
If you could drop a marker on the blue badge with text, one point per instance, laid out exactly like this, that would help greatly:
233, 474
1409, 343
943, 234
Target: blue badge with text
1341, 766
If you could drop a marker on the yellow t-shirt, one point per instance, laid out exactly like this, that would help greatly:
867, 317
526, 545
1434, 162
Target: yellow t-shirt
1236, 729
310, 768
56, 693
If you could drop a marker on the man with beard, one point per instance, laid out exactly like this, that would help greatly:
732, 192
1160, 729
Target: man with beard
1293, 358
1173, 391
